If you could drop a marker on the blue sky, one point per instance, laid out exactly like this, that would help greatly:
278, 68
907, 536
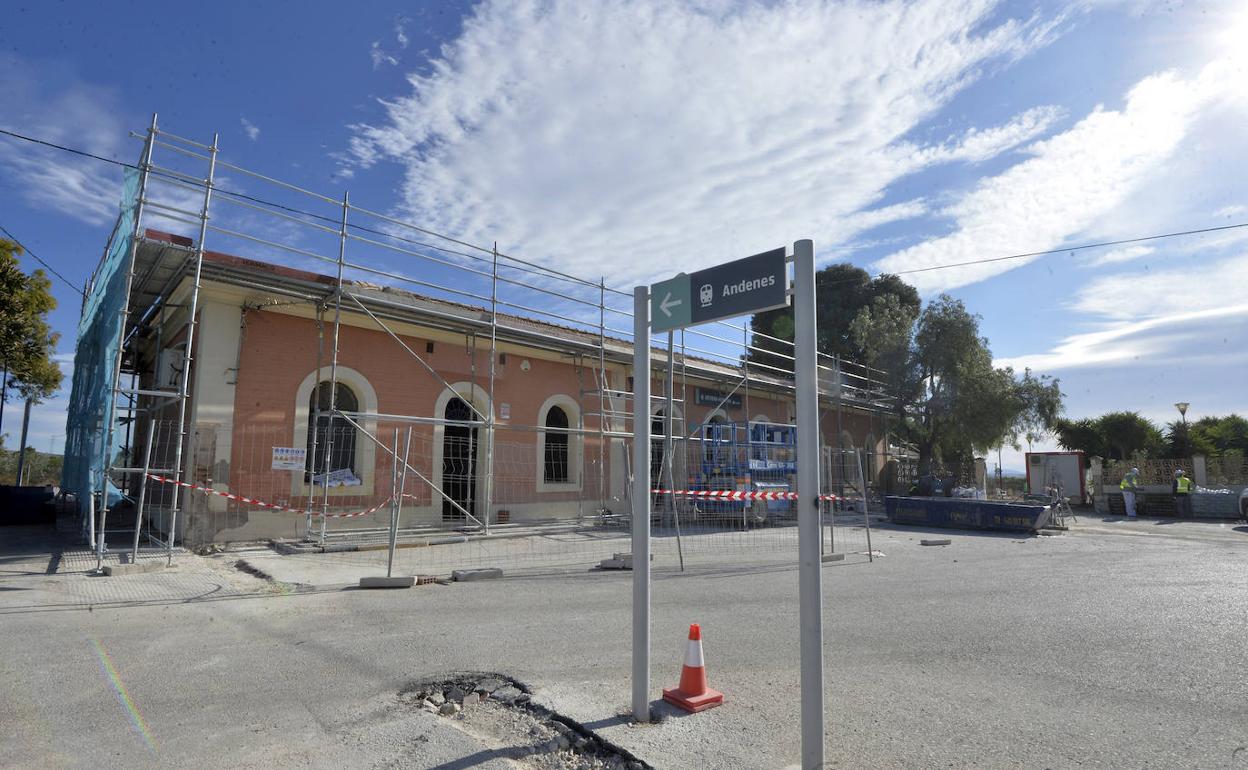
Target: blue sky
631, 139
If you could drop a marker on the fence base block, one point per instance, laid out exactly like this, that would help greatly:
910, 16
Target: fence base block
470, 575
387, 582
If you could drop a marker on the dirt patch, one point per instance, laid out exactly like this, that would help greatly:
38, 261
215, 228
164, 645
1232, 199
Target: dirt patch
499, 710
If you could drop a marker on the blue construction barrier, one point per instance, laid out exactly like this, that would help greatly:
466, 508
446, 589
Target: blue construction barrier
966, 513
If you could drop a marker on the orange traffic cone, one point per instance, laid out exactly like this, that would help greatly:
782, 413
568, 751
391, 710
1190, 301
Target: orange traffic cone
693, 694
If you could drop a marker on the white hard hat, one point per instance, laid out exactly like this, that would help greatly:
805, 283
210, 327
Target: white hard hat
1135, 470
1178, 471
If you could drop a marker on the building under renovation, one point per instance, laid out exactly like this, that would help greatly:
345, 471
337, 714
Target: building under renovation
257, 361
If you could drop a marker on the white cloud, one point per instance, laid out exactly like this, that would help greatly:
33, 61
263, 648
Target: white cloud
1116, 256
400, 31
1127, 342
379, 56
80, 115
1151, 314
1166, 292
647, 132
251, 129
1072, 181
1231, 212
982, 144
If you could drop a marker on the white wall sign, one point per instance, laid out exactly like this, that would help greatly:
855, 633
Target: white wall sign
289, 458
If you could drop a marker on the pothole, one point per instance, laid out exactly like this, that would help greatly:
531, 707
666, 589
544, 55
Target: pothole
499, 709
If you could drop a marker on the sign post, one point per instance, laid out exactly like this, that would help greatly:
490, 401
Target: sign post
810, 574
749, 285
641, 504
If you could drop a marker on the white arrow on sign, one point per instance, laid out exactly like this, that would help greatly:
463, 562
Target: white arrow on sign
668, 303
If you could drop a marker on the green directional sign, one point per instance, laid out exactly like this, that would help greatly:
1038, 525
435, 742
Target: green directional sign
749, 285
669, 304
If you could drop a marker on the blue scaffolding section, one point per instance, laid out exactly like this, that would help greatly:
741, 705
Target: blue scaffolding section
745, 457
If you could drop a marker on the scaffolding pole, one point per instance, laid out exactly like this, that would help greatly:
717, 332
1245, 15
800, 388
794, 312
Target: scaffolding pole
309, 471
147, 467
333, 368
489, 424
111, 408
602, 394
184, 381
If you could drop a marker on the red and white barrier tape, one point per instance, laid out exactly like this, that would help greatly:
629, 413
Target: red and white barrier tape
728, 494
262, 504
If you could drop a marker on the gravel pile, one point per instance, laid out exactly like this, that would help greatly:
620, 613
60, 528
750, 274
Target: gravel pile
500, 710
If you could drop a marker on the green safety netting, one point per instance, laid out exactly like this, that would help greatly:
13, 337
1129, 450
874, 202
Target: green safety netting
91, 424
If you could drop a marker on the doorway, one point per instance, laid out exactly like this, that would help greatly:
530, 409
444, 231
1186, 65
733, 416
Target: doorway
459, 463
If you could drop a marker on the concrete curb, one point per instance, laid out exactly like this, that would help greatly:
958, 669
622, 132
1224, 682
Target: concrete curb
935, 542
117, 570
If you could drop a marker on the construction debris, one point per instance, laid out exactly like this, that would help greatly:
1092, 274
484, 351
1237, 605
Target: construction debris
500, 710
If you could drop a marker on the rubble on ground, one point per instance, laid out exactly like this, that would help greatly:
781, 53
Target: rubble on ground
501, 710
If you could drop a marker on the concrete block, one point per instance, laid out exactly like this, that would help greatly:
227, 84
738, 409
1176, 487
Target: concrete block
827, 557
117, 570
470, 575
387, 582
935, 542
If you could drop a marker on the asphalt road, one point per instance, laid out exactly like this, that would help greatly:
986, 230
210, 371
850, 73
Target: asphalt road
1106, 647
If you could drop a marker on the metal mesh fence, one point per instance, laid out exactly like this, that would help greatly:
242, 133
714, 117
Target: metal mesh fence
451, 513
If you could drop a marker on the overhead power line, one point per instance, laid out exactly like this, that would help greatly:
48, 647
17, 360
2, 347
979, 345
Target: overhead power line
1081, 247
34, 256
550, 271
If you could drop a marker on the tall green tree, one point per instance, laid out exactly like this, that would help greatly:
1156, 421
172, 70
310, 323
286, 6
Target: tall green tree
1114, 436
963, 403
1221, 434
842, 292
950, 400
26, 342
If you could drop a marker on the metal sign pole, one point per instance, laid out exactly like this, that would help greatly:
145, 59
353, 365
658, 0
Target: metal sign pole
641, 504
810, 575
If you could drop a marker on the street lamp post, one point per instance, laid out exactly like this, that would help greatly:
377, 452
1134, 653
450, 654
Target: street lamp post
1187, 440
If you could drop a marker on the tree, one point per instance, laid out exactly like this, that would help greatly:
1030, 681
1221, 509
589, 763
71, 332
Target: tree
1221, 434
26, 341
1081, 436
964, 404
842, 292
1182, 441
950, 400
1114, 436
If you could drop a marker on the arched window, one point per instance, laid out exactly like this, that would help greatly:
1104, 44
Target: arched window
333, 431
555, 454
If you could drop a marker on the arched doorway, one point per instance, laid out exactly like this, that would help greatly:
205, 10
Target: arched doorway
459, 462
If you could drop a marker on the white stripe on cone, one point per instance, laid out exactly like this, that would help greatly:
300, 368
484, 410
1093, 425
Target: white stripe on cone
693, 654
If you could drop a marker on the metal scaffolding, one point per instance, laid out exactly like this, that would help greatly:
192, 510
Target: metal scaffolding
143, 291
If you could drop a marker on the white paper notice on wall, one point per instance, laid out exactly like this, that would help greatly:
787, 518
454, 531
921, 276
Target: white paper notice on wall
504, 411
289, 458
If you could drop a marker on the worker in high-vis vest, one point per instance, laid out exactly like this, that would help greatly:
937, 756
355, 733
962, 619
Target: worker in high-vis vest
1129, 485
1182, 489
